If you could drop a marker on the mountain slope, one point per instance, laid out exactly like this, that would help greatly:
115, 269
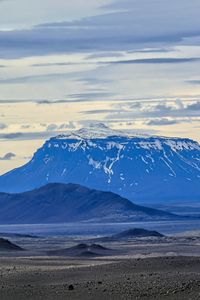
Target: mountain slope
58, 203
140, 168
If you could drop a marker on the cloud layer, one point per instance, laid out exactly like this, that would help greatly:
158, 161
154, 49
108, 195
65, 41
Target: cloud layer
131, 64
130, 25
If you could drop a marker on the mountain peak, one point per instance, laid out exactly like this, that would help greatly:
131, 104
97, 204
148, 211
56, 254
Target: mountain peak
92, 131
101, 131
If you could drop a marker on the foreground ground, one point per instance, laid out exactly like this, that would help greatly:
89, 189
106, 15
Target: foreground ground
138, 268
49, 278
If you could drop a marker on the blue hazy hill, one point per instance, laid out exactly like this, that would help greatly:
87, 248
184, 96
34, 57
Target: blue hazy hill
60, 203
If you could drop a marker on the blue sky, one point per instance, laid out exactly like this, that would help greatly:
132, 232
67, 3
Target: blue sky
63, 64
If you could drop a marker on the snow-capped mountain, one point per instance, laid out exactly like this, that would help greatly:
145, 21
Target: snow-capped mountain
140, 168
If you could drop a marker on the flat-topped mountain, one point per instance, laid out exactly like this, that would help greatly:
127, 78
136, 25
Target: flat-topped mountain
140, 168
59, 203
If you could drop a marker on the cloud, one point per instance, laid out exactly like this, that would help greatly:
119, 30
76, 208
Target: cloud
104, 55
162, 122
78, 98
26, 14
49, 102
167, 60
194, 106
193, 82
166, 112
91, 95
176, 109
49, 131
27, 136
59, 64
152, 50
70, 125
3, 126
11, 136
54, 127
8, 156
164, 108
100, 111
25, 126
131, 25
38, 78
71, 98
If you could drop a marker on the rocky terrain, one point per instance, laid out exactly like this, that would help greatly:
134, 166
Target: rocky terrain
138, 264
161, 278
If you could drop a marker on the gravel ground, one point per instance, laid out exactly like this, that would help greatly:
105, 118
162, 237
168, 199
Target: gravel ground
51, 278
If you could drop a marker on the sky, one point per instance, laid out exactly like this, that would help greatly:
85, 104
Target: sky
131, 64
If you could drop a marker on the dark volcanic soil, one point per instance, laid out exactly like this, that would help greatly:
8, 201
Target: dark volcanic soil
59, 278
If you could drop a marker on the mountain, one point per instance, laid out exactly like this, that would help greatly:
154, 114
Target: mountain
59, 203
141, 168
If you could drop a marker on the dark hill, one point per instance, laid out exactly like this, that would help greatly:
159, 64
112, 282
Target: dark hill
6, 245
129, 234
138, 232
87, 250
59, 203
